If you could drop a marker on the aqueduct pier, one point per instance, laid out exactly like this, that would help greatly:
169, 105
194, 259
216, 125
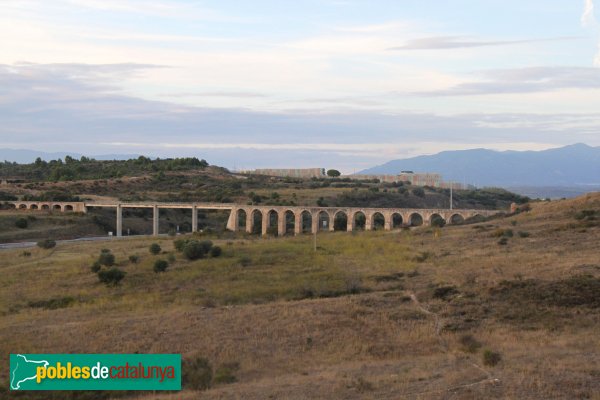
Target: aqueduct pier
281, 217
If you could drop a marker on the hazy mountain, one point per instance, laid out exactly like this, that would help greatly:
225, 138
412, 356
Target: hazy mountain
28, 156
576, 165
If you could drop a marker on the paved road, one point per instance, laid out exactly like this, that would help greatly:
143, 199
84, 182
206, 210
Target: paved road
24, 245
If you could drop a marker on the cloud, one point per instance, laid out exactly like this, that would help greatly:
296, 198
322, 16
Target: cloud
455, 42
525, 80
215, 94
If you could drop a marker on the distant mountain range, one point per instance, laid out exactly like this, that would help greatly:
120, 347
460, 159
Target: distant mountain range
27, 156
576, 166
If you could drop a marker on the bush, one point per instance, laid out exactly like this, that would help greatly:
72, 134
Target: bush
194, 249
523, 234
46, 244
216, 251
180, 244
469, 343
196, 374
106, 258
503, 241
444, 292
111, 277
96, 266
419, 192
245, 261
21, 223
226, 373
160, 266
155, 248
491, 358
134, 259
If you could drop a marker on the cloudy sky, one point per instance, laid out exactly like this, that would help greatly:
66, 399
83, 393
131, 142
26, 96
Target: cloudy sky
331, 83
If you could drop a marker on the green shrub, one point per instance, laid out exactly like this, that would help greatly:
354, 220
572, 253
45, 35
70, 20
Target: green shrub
216, 251
444, 292
134, 259
469, 343
226, 373
508, 233
106, 258
160, 266
491, 358
111, 277
196, 374
96, 266
503, 241
180, 244
21, 223
194, 249
46, 244
523, 234
155, 248
26, 254
419, 192
245, 261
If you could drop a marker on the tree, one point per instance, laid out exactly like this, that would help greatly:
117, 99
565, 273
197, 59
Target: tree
111, 277
106, 258
160, 266
21, 223
334, 173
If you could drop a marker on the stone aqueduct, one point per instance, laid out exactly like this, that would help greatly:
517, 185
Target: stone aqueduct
296, 216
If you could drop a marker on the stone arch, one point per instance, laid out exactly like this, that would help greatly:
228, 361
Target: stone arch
22, 206
242, 219
377, 221
45, 207
272, 220
57, 207
340, 221
305, 222
323, 220
289, 219
33, 206
437, 220
257, 220
416, 219
457, 219
396, 220
359, 220
11, 206
68, 207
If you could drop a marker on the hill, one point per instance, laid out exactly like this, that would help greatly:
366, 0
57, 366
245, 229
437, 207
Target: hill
571, 166
506, 308
24, 156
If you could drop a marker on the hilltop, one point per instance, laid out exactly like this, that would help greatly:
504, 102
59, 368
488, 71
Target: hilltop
505, 308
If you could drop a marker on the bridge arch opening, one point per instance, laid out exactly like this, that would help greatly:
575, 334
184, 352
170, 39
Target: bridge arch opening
360, 220
272, 222
56, 207
377, 221
437, 220
306, 221
340, 221
457, 219
415, 219
33, 207
241, 219
22, 206
45, 207
324, 221
397, 221
290, 222
68, 207
257, 221
10, 206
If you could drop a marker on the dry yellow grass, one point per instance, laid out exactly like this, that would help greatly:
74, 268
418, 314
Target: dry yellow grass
375, 344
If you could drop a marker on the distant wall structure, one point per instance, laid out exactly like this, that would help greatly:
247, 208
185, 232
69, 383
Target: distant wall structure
415, 179
305, 173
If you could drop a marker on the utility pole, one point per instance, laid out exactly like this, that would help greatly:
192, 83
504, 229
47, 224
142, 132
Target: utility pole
451, 194
315, 240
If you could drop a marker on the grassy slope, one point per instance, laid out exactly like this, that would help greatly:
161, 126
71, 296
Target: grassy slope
378, 344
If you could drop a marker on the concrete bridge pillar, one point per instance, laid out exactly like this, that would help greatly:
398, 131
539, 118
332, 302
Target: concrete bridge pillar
315, 222
368, 222
194, 219
331, 221
155, 221
249, 221
350, 222
266, 222
119, 220
298, 223
387, 225
233, 223
281, 223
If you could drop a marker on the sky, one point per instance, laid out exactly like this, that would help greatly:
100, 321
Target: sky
344, 84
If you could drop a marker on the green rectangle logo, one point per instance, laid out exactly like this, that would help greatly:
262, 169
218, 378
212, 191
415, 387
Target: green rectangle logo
95, 372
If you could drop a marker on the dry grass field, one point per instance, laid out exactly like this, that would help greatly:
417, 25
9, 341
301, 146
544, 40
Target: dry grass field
504, 309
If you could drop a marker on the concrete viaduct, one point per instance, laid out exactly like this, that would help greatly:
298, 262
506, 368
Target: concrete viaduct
281, 217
